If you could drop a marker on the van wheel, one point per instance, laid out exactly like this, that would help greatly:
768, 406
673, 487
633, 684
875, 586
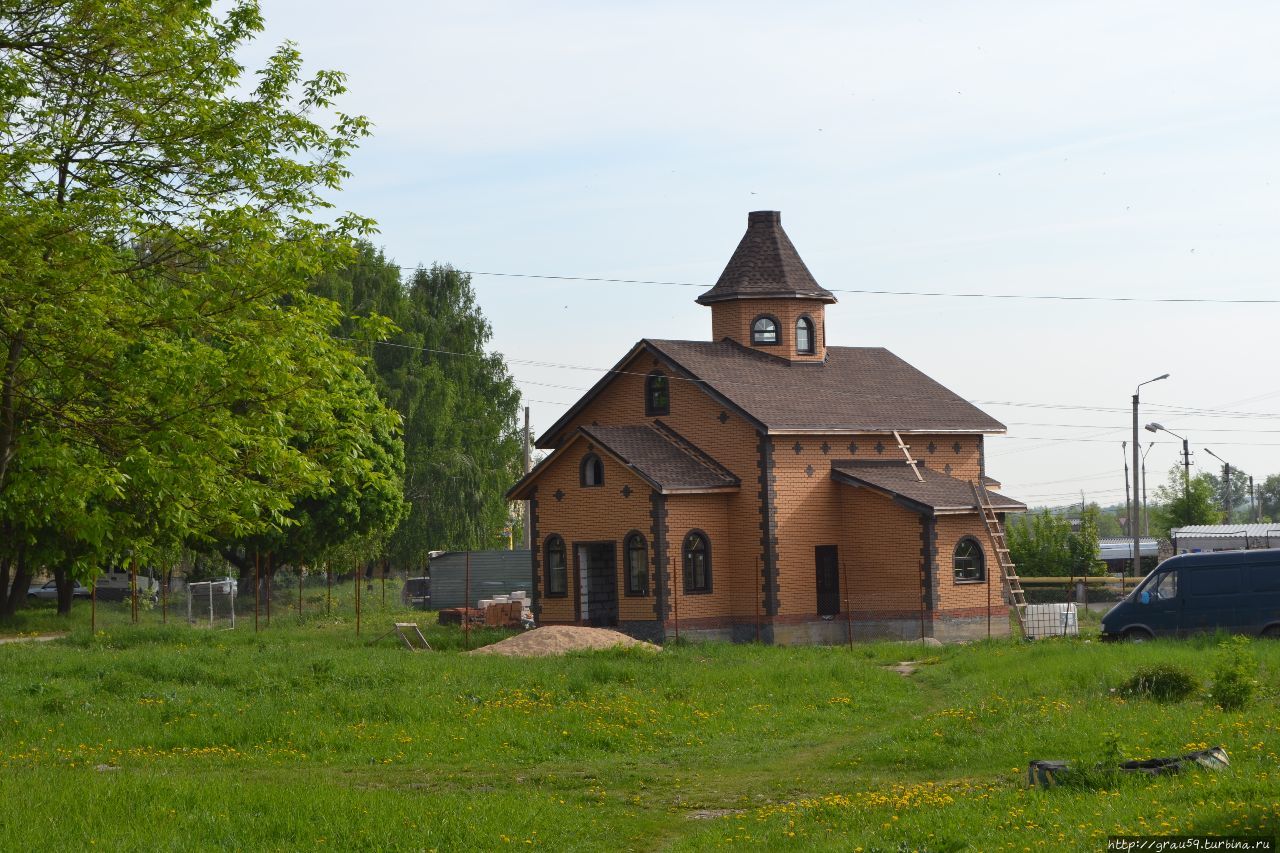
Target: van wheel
1271, 633
1138, 635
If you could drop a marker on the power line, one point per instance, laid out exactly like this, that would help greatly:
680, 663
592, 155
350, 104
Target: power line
1040, 297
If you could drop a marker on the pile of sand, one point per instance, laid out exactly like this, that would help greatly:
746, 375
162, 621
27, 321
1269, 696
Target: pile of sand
558, 639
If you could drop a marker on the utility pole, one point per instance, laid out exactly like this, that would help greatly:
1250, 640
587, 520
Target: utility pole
1253, 506
1146, 516
1226, 485
1128, 505
528, 505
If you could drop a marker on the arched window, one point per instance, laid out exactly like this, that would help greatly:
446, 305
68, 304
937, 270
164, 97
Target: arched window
637, 565
697, 563
557, 576
592, 471
764, 330
657, 399
970, 563
804, 335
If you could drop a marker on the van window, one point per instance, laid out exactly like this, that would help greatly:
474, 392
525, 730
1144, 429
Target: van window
1166, 587
1265, 578
1213, 580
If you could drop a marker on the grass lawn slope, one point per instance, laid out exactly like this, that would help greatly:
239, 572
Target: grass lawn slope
305, 737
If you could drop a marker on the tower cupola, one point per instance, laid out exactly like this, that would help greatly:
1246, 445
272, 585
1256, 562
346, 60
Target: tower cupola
766, 298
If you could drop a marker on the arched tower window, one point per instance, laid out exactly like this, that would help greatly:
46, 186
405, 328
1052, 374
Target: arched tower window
804, 336
764, 330
592, 471
657, 396
970, 563
557, 578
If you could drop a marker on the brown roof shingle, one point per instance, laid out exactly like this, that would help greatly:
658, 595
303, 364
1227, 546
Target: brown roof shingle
662, 457
860, 389
939, 493
765, 265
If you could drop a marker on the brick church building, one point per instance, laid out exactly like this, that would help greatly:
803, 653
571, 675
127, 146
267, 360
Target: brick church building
765, 484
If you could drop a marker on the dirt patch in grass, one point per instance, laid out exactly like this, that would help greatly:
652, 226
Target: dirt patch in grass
560, 639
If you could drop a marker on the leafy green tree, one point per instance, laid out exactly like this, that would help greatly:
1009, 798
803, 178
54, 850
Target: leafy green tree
156, 238
1043, 544
457, 401
1182, 502
1269, 498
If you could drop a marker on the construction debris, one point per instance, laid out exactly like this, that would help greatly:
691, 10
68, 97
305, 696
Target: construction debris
1047, 774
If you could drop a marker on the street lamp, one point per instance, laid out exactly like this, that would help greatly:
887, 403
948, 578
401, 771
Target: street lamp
1133, 521
1226, 482
1186, 463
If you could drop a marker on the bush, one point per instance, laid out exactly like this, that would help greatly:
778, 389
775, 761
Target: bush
1235, 675
1164, 682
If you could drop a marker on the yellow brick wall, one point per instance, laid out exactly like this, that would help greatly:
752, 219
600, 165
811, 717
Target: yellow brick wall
732, 319
814, 510
731, 584
734, 443
595, 514
952, 595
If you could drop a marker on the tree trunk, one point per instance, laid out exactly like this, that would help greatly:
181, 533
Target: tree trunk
62, 578
17, 596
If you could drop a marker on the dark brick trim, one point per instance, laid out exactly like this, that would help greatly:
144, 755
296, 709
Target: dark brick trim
982, 458
928, 563
661, 577
533, 546
768, 498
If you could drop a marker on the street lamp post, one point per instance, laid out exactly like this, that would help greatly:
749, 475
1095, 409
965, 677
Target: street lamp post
1133, 521
1186, 460
1226, 494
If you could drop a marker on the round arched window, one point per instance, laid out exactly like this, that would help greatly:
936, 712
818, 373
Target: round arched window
592, 472
764, 330
970, 563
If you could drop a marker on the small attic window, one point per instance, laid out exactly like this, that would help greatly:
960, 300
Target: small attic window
592, 471
764, 331
657, 397
804, 336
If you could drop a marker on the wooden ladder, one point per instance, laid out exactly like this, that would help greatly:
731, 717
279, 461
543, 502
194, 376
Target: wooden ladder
1012, 583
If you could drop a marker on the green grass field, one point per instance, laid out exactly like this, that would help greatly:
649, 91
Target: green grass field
303, 736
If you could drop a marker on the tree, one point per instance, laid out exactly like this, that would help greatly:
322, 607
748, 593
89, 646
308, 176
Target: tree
1182, 502
457, 401
1239, 494
156, 237
1269, 498
1043, 544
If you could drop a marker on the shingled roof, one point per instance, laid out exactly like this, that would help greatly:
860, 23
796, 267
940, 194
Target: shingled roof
658, 454
765, 265
857, 389
938, 494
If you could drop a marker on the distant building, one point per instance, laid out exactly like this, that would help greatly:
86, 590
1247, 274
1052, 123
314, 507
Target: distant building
1118, 553
1196, 538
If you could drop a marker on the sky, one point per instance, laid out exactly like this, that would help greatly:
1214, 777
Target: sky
1082, 148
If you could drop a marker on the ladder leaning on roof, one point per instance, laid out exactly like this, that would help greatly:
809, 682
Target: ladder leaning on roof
1012, 583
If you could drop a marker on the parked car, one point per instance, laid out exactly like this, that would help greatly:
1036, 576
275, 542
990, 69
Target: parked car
416, 593
50, 590
1235, 591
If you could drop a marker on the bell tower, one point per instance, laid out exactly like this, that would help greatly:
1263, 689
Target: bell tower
766, 298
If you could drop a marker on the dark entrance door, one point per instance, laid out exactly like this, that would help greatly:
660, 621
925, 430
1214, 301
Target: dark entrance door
602, 584
828, 566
